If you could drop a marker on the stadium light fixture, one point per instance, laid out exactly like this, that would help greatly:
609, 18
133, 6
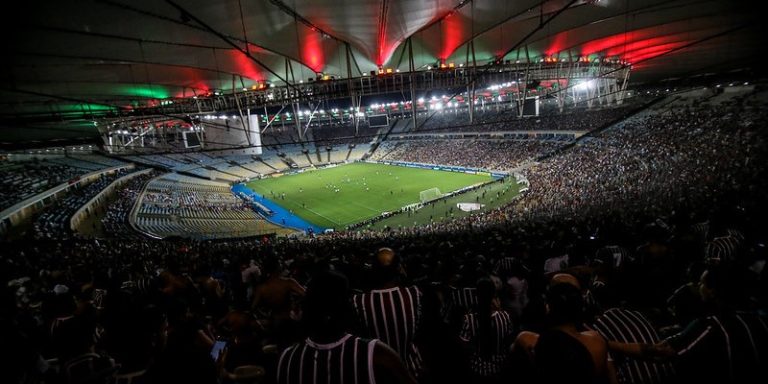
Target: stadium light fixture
584, 85
421, 100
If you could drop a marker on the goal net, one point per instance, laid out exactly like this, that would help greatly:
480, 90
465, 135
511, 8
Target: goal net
429, 195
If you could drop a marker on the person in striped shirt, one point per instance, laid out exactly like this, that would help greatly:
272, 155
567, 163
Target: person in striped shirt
390, 312
487, 333
565, 352
722, 249
724, 346
330, 354
628, 326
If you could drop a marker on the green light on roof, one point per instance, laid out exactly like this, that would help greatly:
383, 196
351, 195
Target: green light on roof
153, 92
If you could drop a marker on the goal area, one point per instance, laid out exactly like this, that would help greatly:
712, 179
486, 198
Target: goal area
428, 195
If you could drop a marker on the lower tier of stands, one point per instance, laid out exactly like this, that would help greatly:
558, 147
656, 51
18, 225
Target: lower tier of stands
179, 206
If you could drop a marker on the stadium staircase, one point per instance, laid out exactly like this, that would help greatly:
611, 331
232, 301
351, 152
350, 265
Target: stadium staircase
259, 159
405, 125
383, 133
235, 163
349, 152
309, 158
212, 168
287, 160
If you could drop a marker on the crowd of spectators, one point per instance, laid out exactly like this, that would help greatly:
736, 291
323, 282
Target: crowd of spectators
652, 162
637, 256
53, 223
154, 310
500, 155
115, 220
21, 180
170, 200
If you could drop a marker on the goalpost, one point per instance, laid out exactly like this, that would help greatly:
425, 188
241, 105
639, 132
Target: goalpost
429, 195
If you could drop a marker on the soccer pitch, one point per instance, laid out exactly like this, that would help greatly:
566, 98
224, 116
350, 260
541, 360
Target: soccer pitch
347, 194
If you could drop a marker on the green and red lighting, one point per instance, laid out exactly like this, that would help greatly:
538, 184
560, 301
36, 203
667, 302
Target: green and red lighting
312, 53
452, 35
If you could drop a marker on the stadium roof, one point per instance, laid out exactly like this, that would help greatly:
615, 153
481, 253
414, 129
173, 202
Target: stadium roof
79, 55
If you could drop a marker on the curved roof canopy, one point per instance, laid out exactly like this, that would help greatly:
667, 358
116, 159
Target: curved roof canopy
79, 55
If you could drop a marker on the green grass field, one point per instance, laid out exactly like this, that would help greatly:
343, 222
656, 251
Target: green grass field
491, 196
365, 190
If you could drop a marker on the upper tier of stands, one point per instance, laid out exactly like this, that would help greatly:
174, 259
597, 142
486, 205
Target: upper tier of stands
22, 179
235, 168
54, 222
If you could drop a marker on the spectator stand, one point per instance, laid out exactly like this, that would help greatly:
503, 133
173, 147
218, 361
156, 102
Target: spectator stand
27, 208
87, 209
